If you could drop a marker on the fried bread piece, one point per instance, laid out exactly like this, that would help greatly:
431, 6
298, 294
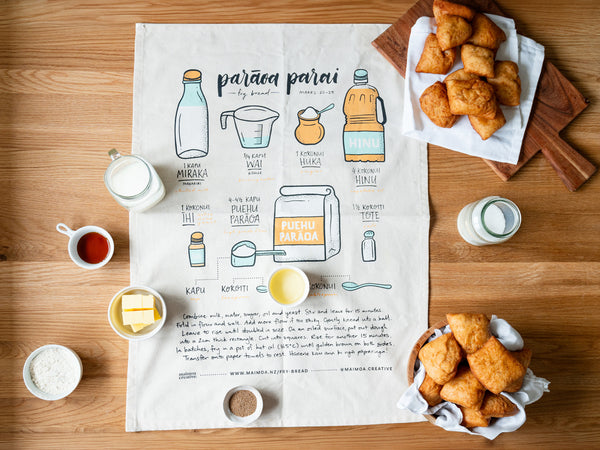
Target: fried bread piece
433, 59
441, 358
441, 7
495, 405
495, 367
452, 31
478, 60
470, 330
486, 127
486, 33
471, 97
461, 74
524, 357
473, 418
506, 83
434, 103
430, 391
464, 389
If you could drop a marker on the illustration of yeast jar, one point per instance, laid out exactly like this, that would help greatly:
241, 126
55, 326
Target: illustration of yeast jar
306, 223
191, 118
363, 132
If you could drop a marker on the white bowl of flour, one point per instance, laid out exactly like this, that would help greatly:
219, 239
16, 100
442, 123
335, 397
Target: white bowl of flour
52, 372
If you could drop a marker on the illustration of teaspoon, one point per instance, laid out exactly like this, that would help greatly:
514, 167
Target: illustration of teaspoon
327, 108
351, 286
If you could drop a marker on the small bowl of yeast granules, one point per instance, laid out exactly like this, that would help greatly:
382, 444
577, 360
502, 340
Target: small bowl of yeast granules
52, 372
243, 405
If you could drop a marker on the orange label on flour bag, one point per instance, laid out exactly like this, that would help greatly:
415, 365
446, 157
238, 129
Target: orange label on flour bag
299, 231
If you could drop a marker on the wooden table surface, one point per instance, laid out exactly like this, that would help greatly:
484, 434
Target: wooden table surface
66, 82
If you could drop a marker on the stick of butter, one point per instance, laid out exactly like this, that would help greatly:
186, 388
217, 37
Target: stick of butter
138, 309
138, 326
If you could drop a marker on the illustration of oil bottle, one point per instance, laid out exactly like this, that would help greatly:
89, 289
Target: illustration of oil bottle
363, 132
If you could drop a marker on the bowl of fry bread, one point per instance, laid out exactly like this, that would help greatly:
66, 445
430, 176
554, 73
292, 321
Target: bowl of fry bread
469, 367
483, 84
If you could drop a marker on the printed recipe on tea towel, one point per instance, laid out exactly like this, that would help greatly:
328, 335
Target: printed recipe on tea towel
277, 145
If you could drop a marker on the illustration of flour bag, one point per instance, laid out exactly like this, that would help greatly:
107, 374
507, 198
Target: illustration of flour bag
307, 223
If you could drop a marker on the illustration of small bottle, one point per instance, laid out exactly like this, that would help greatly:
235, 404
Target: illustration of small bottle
368, 247
191, 118
363, 132
196, 250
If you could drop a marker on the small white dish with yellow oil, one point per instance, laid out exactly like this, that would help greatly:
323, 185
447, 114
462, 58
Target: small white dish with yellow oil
288, 286
142, 331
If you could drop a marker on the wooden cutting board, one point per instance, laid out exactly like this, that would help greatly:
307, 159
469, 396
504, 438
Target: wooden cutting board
556, 104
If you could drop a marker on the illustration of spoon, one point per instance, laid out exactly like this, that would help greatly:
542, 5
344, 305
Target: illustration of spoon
351, 286
327, 108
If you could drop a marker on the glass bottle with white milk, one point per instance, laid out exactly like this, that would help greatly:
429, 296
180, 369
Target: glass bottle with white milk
133, 182
191, 118
491, 220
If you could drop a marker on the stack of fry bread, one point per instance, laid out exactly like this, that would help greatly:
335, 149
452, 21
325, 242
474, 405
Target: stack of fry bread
470, 368
482, 85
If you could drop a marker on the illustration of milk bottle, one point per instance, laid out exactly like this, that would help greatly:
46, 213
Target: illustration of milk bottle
363, 132
191, 118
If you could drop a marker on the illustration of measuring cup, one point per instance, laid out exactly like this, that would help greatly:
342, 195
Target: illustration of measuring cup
244, 253
253, 124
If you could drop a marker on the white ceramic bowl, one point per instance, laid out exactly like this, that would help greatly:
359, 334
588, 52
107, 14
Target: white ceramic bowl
247, 419
74, 361
115, 317
305, 282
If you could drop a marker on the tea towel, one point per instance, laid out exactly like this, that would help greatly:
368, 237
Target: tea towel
254, 183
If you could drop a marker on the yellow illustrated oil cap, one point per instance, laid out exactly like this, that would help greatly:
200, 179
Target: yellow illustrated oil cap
197, 237
192, 75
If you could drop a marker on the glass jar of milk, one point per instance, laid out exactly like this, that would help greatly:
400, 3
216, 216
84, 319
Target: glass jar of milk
489, 221
133, 182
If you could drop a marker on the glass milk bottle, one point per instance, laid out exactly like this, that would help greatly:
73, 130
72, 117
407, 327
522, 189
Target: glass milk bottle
363, 132
191, 118
133, 182
491, 220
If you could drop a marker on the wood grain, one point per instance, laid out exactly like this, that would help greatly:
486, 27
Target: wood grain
556, 104
66, 71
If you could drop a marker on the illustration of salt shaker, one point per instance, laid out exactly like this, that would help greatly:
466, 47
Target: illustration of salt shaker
368, 247
197, 250
191, 118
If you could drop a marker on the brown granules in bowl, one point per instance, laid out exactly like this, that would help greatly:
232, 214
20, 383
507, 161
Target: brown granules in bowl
242, 403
